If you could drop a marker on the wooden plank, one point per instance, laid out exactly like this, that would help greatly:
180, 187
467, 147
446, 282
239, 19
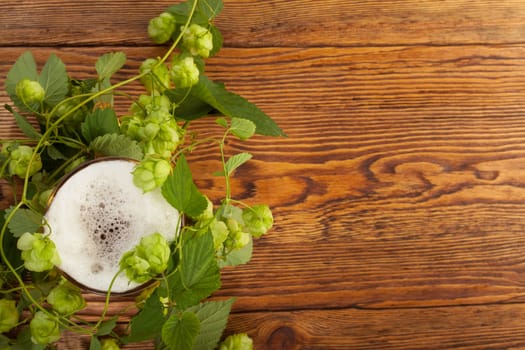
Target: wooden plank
258, 23
400, 184
475, 327
467, 327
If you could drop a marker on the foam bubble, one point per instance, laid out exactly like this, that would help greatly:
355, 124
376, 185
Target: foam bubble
97, 215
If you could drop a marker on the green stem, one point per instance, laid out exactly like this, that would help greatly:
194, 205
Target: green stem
226, 175
106, 303
23, 286
55, 125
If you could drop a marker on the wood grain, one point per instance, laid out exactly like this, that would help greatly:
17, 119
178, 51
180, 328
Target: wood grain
261, 23
399, 192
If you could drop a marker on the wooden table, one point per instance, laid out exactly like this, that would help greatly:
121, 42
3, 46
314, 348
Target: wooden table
399, 192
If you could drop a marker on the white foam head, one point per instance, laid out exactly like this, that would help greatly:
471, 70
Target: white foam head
97, 215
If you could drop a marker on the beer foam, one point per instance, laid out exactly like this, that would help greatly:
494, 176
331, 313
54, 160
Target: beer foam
97, 215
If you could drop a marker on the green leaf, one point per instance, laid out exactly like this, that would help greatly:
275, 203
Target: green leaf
242, 128
180, 191
55, 154
198, 275
95, 344
107, 326
147, 324
180, 330
23, 68
24, 124
238, 256
99, 122
23, 341
4, 342
181, 12
109, 63
188, 107
210, 8
12, 253
23, 220
234, 106
105, 98
222, 122
116, 145
54, 80
236, 161
213, 317
217, 40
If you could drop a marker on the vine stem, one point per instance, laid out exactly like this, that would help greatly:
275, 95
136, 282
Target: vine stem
226, 175
23, 286
55, 125
106, 303
39, 146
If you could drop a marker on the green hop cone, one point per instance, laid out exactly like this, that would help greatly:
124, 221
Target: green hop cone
149, 258
43, 197
38, 252
184, 72
151, 173
161, 27
239, 341
257, 219
44, 329
66, 298
109, 344
239, 239
19, 162
73, 119
158, 78
198, 40
155, 249
30, 91
135, 267
220, 233
8, 315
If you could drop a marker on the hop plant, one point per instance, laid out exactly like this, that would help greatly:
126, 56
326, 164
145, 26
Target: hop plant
38, 252
198, 40
239, 341
161, 27
8, 315
184, 72
258, 220
30, 91
153, 126
151, 173
149, 258
73, 119
66, 298
109, 344
158, 78
19, 161
44, 329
